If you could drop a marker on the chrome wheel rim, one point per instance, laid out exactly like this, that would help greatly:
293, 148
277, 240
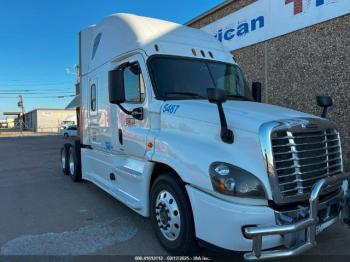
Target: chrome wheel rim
168, 215
63, 159
71, 165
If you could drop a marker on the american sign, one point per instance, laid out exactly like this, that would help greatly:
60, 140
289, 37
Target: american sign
266, 19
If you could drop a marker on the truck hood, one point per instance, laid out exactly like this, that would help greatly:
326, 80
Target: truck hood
243, 115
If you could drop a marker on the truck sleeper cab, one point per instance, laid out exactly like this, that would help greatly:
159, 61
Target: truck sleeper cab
169, 127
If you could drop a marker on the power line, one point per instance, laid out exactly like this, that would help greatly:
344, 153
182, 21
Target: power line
36, 90
33, 88
33, 81
39, 93
38, 97
33, 84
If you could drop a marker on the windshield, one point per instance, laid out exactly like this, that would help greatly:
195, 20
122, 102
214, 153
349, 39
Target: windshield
185, 78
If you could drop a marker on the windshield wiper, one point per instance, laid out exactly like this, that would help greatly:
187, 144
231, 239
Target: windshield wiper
185, 94
239, 97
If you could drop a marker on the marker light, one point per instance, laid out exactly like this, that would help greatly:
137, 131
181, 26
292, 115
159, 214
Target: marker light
156, 47
194, 52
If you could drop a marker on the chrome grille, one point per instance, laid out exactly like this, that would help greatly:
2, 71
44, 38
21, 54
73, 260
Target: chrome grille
303, 157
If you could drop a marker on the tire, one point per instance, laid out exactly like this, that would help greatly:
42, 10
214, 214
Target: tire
64, 158
179, 235
74, 167
66, 135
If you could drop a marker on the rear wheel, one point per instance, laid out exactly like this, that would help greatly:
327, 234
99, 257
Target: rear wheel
74, 169
64, 158
171, 215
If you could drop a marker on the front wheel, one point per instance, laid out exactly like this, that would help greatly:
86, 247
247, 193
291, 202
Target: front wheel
171, 215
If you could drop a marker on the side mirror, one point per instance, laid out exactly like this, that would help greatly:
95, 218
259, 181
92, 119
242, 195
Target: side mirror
216, 95
116, 86
256, 91
325, 102
117, 92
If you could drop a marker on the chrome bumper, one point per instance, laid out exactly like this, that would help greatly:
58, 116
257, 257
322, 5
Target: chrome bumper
309, 224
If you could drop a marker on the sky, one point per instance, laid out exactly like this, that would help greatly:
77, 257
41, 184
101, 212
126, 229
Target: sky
39, 43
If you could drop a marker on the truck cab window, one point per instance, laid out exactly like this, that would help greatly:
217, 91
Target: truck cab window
134, 84
185, 78
93, 98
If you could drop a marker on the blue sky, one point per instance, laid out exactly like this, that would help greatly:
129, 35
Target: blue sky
38, 43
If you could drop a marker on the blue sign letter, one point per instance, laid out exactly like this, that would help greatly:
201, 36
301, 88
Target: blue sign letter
261, 21
243, 29
319, 2
229, 34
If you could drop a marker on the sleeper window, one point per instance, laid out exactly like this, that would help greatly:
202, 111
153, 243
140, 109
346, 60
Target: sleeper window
96, 44
93, 97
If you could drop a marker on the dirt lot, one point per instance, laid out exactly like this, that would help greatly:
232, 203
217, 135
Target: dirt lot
43, 213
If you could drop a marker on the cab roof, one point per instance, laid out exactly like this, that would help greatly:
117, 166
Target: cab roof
119, 34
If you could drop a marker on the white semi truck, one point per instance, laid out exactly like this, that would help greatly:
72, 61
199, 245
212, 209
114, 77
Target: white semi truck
169, 127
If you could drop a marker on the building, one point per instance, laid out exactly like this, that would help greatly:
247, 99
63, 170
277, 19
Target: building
297, 48
10, 122
48, 120
7, 123
3, 124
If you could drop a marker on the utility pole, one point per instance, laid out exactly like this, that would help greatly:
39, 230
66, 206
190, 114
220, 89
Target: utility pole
20, 105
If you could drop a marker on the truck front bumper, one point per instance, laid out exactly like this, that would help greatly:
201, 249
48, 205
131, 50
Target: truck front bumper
308, 225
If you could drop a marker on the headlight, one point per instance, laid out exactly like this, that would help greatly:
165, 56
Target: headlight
234, 181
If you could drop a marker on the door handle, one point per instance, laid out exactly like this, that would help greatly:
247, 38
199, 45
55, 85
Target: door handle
120, 134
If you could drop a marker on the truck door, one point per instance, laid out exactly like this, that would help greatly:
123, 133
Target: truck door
132, 132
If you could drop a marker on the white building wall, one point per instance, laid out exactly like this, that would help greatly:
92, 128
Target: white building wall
49, 121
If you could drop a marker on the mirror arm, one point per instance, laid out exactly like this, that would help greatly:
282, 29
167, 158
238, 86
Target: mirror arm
324, 112
256, 91
226, 134
217, 96
124, 109
325, 102
137, 113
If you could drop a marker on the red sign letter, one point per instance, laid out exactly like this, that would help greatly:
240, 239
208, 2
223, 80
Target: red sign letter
298, 5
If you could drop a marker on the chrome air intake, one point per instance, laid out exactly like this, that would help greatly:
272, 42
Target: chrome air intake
298, 153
